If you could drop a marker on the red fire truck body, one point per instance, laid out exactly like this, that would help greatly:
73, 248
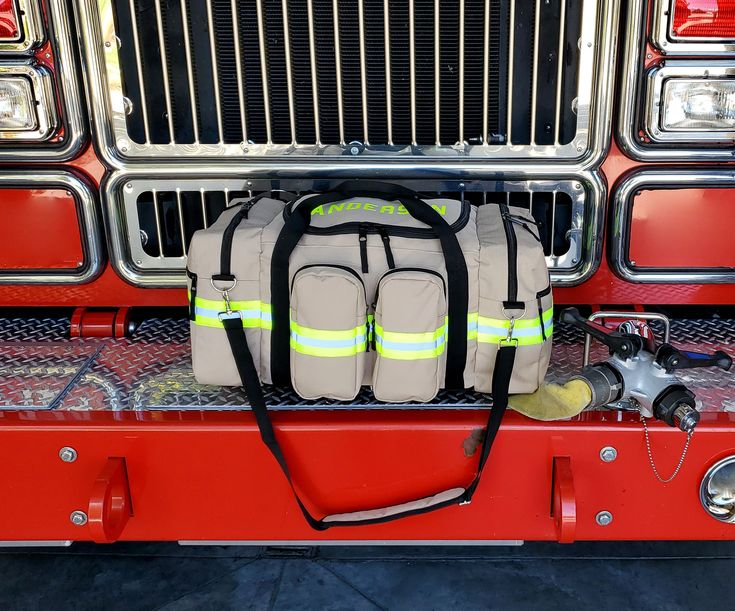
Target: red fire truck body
96, 210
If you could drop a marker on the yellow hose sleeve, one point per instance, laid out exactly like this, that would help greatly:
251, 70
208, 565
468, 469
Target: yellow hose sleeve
553, 401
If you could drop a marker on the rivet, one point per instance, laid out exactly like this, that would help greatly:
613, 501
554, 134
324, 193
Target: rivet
604, 518
78, 518
67, 453
608, 454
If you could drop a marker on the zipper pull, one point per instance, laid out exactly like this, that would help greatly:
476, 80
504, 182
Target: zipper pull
386, 244
362, 237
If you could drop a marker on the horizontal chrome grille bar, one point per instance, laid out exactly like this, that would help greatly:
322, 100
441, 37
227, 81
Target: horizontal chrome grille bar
153, 218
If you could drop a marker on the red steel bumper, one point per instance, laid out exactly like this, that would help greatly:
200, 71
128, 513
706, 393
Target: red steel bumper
206, 476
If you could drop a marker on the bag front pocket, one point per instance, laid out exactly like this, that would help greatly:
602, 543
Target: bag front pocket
410, 335
329, 332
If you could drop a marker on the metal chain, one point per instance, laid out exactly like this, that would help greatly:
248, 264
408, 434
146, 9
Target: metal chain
650, 454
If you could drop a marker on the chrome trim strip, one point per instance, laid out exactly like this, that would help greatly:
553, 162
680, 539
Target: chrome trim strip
437, 73
622, 204
238, 67
511, 47
662, 36
164, 71
89, 229
42, 90
312, 65
560, 70
67, 94
485, 71
655, 81
263, 71
597, 60
31, 23
289, 76
534, 77
338, 69
630, 102
121, 191
215, 71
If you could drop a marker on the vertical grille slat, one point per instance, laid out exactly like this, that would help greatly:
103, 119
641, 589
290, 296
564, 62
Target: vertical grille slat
167, 216
349, 34
547, 72
570, 76
388, 73
449, 72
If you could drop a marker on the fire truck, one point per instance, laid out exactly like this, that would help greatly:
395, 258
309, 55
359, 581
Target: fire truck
127, 125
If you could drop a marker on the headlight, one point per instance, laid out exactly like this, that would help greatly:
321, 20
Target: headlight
27, 106
717, 491
689, 101
690, 104
17, 107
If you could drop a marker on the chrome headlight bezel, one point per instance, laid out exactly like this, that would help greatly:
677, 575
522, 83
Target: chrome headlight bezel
654, 108
41, 83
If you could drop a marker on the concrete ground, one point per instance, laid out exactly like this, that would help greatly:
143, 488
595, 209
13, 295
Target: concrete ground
641, 576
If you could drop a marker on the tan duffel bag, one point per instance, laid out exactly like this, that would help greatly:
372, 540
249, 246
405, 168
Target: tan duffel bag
371, 285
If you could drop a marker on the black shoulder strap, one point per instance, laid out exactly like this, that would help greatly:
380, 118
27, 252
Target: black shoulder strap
455, 496
457, 277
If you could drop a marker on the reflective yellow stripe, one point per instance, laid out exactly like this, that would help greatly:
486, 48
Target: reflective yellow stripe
406, 346
328, 352
526, 332
328, 343
254, 314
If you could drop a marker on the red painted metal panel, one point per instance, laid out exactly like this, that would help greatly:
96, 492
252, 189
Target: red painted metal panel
197, 476
39, 230
683, 228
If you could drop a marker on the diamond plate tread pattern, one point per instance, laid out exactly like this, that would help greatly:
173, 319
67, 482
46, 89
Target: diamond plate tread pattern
152, 370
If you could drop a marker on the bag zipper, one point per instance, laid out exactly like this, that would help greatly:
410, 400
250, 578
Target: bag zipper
522, 222
362, 237
386, 245
512, 241
359, 279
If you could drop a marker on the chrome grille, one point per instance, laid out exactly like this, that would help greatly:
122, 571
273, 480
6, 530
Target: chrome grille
160, 215
214, 78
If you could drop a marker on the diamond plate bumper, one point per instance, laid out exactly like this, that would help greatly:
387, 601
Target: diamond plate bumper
40, 368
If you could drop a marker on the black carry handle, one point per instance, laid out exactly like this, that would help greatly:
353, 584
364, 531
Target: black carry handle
296, 226
453, 496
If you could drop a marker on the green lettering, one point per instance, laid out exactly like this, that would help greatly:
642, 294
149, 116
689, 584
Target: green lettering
318, 210
336, 208
440, 209
402, 210
354, 206
387, 209
370, 207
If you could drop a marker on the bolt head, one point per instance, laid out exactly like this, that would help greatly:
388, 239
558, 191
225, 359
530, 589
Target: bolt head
78, 518
608, 454
68, 454
354, 150
604, 518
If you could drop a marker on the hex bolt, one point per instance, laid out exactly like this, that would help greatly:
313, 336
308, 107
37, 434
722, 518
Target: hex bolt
354, 150
78, 518
608, 454
604, 518
68, 454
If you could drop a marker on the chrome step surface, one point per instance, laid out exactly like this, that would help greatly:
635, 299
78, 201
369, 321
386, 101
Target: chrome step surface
42, 369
